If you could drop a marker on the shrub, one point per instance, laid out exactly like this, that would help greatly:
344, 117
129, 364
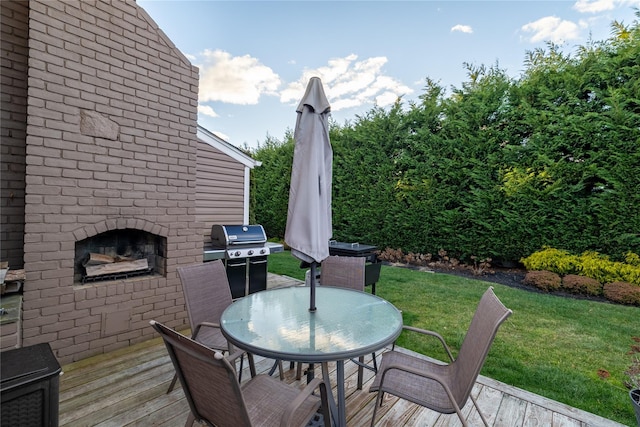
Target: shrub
589, 264
622, 293
417, 259
391, 255
480, 266
556, 260
581, 285
633, 259
543, 279
599, 267
440, 261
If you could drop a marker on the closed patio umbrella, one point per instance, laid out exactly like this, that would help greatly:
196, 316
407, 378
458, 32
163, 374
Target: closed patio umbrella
309, 226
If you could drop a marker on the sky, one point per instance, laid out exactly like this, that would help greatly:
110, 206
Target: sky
256, 57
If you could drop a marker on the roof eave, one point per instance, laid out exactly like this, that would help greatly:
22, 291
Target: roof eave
230, 150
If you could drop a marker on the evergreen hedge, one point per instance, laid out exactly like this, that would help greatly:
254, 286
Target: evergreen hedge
499, 168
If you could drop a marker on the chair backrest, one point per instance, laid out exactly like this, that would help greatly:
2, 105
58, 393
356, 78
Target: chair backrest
343, 272
206, 291
475, 347
208, 380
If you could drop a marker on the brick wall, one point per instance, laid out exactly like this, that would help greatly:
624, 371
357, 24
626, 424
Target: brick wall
111, 145
13, 69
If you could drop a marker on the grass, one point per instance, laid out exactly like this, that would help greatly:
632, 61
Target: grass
552, 346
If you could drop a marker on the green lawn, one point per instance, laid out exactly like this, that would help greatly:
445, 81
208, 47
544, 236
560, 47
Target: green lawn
551, 346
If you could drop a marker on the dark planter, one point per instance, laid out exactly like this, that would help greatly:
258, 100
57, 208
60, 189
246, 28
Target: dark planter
635, 401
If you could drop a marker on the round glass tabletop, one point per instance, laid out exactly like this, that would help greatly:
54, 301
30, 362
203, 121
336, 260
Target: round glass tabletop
277, 324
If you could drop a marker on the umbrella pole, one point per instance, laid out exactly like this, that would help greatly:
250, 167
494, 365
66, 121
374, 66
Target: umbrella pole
312, 284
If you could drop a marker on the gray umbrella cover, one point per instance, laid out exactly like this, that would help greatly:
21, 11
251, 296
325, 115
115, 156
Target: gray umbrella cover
309, 227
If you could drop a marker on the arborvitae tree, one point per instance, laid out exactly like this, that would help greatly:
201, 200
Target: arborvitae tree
270, 184
499, 168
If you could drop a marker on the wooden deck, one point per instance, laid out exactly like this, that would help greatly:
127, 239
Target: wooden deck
128, 387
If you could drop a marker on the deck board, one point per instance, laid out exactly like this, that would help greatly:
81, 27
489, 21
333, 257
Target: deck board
510, 412
127, 387
537, 416
126, 390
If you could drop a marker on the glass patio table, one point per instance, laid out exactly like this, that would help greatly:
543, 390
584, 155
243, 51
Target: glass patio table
277, 324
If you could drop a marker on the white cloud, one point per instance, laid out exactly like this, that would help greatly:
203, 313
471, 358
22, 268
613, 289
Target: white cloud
350, 83
343, 104
552, 28
206, 110
386, 98
462, 28
594, 6
235, 79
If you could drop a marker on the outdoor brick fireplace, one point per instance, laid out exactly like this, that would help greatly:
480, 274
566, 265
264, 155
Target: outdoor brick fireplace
119, 254
110, 170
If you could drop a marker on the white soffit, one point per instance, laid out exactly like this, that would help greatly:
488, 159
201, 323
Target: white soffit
230, 150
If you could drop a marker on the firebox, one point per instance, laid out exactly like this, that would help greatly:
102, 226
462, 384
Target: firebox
119, 254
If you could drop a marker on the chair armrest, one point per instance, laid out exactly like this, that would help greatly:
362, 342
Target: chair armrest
195, 332
232, 357
302, 396
433, 334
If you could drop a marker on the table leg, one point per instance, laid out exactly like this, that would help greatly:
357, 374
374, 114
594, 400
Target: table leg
310, 373
342, 401
333, 409
360, 371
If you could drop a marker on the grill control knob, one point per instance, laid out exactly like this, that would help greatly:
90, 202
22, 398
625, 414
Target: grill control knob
237, 253
262, 251
250, 252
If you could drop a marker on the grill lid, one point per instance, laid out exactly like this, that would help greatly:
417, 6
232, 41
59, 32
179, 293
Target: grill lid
225, 236
353, 249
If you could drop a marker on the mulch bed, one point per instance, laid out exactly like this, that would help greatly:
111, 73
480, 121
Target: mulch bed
511, 277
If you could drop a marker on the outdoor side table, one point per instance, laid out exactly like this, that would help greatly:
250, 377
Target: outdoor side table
277, 324
29, 387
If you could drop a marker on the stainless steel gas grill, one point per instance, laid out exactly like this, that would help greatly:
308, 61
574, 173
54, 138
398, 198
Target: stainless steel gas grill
245, 253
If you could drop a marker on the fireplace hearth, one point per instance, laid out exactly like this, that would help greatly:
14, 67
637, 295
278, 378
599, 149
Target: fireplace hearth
119, 254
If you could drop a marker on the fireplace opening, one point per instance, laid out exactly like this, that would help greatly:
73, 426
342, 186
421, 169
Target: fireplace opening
119, 254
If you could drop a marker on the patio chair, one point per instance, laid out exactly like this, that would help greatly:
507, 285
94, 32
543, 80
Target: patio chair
444, 388
345, 272
206, 295
216, 398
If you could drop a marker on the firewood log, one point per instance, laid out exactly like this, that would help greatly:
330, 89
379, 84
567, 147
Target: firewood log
97, 259
117, 267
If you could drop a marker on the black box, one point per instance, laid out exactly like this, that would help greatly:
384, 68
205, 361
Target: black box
29, 387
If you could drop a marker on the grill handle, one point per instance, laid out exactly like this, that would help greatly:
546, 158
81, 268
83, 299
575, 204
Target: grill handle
246, 242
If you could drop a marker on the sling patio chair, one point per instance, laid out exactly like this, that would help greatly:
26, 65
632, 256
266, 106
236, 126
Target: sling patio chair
444, 388
216, 398
206, 295
345, 272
